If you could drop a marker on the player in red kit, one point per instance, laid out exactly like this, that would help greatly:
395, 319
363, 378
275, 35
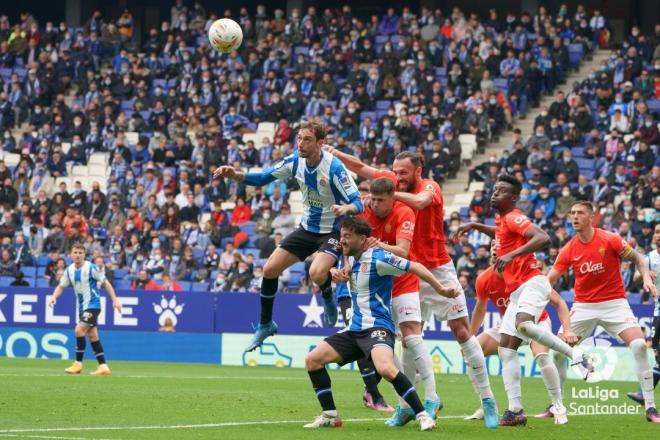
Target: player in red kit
490, 286
600, 296
428, 246
517, 239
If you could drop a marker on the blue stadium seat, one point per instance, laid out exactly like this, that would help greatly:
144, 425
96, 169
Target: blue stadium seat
185, 285
371, 115
162, 83
464, 211
654, 105
6, 281
298, 267
489, 221
300, 50
395, 39
119, 274
383, 104
123, 284
381, 39
200, 287
248, 227
29, 271
567, 295
440, 72
578, 152
198, 253
587, 164
501, 84
43, 260
252, 251
42, 282
41, 271
634, 298
294, 281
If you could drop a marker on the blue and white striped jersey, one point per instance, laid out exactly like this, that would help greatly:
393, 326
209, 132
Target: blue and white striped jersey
85, 281
341, 289
371, 288
653, 263
329, 183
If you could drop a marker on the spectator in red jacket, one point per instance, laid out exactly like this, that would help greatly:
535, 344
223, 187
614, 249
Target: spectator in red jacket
241, 214
283, 132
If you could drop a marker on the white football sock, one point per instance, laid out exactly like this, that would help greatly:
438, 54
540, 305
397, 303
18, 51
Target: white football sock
644, 371
474, 358
511, 376
422, 359
541, 335
550, 377
561, 364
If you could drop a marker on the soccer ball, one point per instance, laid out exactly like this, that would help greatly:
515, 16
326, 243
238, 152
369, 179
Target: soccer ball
225, 35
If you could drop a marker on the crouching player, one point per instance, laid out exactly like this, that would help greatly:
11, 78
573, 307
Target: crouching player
371, 333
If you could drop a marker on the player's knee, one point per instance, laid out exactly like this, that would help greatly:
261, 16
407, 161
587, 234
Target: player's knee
461, 330
271, 271
312, 362
638, 348
318, 274
388, 372
524, 327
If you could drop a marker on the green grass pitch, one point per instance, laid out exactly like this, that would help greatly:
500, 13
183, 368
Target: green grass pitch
182, 401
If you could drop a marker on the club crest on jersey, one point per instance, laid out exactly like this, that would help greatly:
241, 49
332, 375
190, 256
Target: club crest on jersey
323, 182
601, 251
388, 228
364, 267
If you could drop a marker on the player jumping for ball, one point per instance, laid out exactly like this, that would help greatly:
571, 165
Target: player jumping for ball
329, 194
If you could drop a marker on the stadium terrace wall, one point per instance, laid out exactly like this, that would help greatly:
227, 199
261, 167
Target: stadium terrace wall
215, 327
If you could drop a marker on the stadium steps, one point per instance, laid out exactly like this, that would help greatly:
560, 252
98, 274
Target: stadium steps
454, 190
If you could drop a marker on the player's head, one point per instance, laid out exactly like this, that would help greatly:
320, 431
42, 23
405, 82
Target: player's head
408, 169
382, 196
311, 136
506, 193
582, 215
78, 253
354, 234
656, 236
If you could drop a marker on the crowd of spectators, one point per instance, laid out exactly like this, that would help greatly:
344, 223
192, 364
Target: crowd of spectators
404, 81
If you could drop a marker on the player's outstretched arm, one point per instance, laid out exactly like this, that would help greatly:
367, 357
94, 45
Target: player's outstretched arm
564, 317
417, 201
537, 239
485, 229
426, 275
56, 294
228, 172
553, 276
353, 163
478, 315
647, 281
116, 304
401, 249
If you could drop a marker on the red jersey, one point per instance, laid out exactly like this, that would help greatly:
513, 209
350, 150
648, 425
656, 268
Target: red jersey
596, 265
428, 243
491, 287
510, 235
399, 223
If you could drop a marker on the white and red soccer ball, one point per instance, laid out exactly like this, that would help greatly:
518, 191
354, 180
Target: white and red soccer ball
225, 35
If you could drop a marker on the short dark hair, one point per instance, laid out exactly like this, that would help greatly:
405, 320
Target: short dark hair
317, 128
382, 185
511, 180
586, 204
416, 158
78, 246
357, 225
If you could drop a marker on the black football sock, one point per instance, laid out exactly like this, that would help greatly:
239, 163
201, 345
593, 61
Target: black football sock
370, 377
98, 351
321, 383
326, 288
406, 390
81, 343
268, 291
344, 305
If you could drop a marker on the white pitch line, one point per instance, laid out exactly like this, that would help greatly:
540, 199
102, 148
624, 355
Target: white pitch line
167, 377
50, 437
191, 426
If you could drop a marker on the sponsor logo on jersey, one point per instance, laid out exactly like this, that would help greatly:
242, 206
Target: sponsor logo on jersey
601, 251
388, 228
407, 225
591, 267
395, 261
344, 180
314, 199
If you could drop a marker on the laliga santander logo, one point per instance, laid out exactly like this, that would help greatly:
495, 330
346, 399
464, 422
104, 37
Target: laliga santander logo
603, 357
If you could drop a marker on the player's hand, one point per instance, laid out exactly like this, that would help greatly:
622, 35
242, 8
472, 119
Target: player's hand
501, 262
372, 242
339, 275
340, 210
225, 171
52, 302
116, 305
569, 337
650, 287
450, 292
330, 149
465, 228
